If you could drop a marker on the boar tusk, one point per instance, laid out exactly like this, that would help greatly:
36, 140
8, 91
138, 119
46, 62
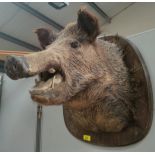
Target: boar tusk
52, 70
56, 80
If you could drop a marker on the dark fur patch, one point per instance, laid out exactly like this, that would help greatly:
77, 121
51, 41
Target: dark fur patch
88, 24
45, 37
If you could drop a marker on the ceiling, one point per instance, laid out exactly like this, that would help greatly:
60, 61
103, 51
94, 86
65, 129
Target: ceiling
17, 23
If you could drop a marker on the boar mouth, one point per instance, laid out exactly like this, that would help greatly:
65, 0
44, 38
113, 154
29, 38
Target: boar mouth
47, 81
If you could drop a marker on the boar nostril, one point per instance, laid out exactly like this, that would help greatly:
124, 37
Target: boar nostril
14, 67
13, 64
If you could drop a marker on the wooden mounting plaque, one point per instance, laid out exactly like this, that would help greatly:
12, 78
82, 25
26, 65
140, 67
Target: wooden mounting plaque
143, 102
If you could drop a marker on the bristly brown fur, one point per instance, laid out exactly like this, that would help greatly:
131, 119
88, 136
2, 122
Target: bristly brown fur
95, 87
97, 78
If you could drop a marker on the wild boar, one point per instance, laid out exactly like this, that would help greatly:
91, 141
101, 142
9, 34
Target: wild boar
84, 73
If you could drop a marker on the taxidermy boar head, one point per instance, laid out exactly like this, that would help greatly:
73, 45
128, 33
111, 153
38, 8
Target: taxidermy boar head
80, 71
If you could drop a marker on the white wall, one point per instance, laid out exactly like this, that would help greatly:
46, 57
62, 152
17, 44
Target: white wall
7, 45
17, 116
137, 18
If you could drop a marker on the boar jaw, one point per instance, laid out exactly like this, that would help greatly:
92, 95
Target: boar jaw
44, 88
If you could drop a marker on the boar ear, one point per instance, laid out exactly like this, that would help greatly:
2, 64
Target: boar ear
45, 36
88, 24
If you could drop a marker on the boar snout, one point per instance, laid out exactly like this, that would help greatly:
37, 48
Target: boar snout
16, 67
31, 64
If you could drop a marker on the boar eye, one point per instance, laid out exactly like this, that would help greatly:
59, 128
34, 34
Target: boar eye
75, 44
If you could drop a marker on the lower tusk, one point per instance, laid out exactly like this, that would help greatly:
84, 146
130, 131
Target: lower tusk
53, 82
56, 80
